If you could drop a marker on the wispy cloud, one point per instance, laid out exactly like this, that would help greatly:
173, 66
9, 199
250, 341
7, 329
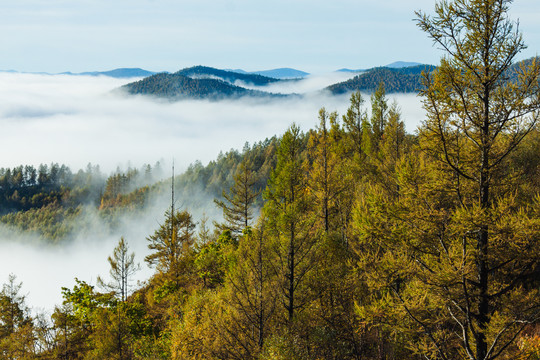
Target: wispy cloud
75, 120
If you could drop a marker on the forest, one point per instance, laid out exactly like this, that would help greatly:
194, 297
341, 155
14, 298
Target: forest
406, 80
352, 240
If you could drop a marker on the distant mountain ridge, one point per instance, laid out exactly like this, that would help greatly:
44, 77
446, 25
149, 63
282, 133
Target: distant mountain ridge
198, 82
228, 76
281, 73
121, 73
402, 64
405, 79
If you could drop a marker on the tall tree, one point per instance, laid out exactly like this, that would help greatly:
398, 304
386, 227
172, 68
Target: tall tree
250, 283
479, 109
392, 148
379, 115
16, 327
329, 176
171, 242
455, 249
357, 125
290, 222
238, 205
123, 267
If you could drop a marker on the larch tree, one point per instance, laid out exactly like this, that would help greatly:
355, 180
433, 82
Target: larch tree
251, 293
357, 126
239, 202
455, 250
393, 147
123, 268
290, 222
479, 109
17, 339
379, 115
325, 182
171, 243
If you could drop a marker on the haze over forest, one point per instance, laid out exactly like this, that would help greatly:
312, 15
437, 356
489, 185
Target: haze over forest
81, 120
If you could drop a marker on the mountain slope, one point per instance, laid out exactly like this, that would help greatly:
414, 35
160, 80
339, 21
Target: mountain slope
177, 86
120, 73
228, 76
395, 80
281, 73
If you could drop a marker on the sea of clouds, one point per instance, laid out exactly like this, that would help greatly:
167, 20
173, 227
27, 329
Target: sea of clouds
76, 120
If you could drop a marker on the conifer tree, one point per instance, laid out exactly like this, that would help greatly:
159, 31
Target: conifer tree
454, 250
16, 327
379, 115
329, 176
123, 268
171, 242
290, 222
357, 126
479, 109
392, 149
238, 205
251, 293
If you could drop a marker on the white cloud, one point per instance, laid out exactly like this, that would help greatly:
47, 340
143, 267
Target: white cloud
44, 270
309, 84
75, 120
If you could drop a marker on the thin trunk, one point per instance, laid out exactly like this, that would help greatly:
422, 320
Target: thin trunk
291, 275
261, 284
483, 237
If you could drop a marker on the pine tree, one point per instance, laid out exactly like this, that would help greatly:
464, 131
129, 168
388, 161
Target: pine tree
123, 268
453, 252
477, 115
238, 205
171, 242
290, 222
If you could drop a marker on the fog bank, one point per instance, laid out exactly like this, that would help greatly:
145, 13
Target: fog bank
76, 120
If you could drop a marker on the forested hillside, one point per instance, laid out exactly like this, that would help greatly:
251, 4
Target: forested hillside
203, 82
178, 86
199, 82
51, 200
228, 76
305, 279
404, 80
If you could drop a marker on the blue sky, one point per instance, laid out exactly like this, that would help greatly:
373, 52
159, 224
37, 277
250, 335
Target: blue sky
166, 35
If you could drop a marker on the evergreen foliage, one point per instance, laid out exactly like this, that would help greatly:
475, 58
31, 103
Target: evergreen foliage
405, 80
199, 82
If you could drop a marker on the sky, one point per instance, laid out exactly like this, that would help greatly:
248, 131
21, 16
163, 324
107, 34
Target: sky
166, 35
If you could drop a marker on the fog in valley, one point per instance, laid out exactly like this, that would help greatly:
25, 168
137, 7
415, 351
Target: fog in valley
76, 120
